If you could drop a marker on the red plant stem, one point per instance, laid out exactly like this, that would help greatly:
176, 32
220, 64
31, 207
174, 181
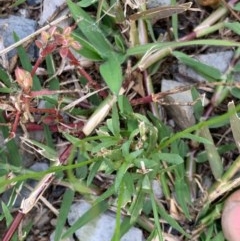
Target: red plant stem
144, 100
82, 72
44, 92
43, 110
92, 82
14, 225
15, 124
55, 128
65, 154
36, 65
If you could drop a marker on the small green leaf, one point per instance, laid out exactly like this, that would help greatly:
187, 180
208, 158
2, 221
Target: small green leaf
86, 3
90, 29
171, 221
171, 158
234, 26
63, 212
120, 174
198, 107
7, 213
137, 206
88, 50
124, 105
18, 2
235, 124
42, 149
111, 72
212, 153
93, 171
197, 138
235, 92
5, 77
115, 121
205, 70
237, 7
146, 185
183, 195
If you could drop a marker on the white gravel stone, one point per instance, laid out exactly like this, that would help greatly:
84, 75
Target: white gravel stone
101, 228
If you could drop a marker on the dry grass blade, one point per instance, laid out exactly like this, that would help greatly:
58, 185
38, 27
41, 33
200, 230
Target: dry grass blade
161, 12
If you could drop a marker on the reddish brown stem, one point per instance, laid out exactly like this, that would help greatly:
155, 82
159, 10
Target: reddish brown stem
91, 82
144, 100
36, 65
43, 110
13, 227
15, 124
56, 128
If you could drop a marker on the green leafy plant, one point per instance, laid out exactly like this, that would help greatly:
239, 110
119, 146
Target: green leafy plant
104, 118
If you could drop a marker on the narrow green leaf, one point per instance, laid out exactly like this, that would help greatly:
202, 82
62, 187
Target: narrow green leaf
42, 149
88, 50
212, 153
120, 174
142, 49
234, 26
205, 70
115, 121
13, 150
197, 138
111, 72
51, 69
117, 233
236, 7
235, 92
86, 3
5, 77
93, 171
171, 221
74, 140
124, 105
63, 213
136, 207
235, 124
6, 90
198, 107
90, 29
171, 158
156, 217
18, 2
183, 196
7, 213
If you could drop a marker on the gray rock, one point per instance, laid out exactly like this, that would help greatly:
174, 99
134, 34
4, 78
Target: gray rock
101, 228
49, 8
20, 25
181, 114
